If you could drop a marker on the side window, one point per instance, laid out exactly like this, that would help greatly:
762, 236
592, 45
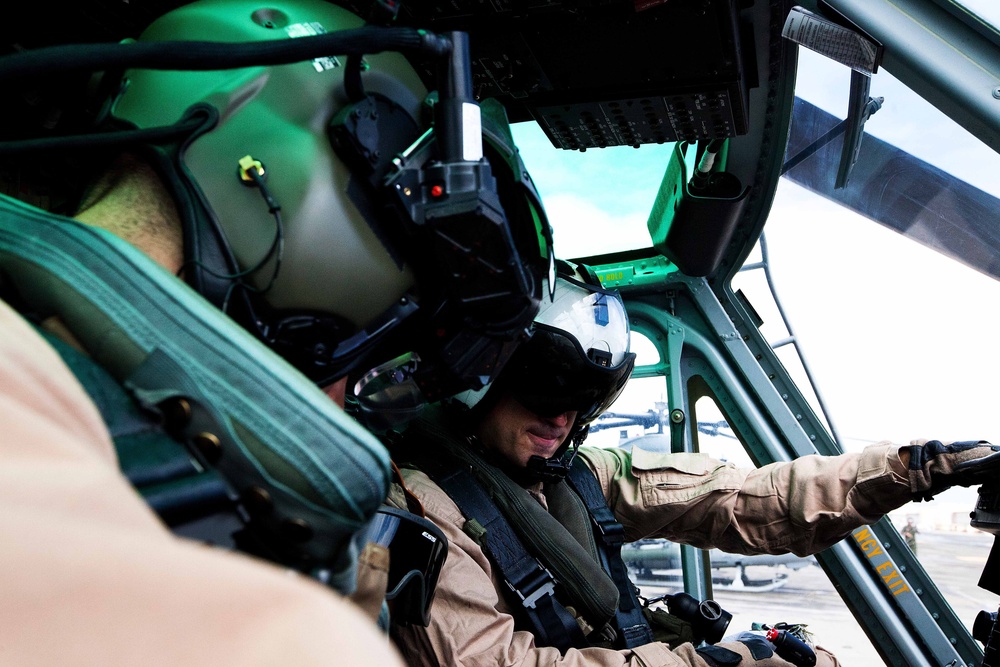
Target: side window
715, 436
876, 384
646, 353
758, 589
642, 406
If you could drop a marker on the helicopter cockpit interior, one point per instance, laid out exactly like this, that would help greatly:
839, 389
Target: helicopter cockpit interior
702, 102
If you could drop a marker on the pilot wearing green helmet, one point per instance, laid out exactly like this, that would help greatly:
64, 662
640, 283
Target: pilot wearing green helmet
280, 167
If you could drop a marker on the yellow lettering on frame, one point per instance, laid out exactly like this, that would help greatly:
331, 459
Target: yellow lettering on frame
890, 576
871, 547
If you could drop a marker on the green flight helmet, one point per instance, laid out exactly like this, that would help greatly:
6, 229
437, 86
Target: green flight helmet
292, 196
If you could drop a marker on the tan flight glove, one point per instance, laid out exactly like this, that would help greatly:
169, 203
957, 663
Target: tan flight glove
749, 649
935, 466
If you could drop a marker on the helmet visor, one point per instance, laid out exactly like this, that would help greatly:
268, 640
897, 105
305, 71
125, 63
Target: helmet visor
551, 373
594, 316
417, 551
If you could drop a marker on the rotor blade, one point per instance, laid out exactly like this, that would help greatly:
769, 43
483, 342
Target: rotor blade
900, 191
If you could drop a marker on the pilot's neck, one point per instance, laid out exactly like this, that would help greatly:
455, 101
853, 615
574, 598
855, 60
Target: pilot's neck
131, 202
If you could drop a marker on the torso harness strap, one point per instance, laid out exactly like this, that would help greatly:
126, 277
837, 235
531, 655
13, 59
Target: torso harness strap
532, 586
528, 580
631, 621
199, 409
194, 501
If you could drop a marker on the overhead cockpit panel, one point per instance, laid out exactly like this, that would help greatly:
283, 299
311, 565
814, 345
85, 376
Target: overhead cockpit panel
606, 73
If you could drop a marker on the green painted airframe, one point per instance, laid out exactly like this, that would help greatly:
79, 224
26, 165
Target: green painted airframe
665, 137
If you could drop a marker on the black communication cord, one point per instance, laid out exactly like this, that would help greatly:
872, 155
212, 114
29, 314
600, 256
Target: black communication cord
206, 56
255, 174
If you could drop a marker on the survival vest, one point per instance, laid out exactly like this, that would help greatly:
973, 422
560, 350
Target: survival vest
210, 424
549, 565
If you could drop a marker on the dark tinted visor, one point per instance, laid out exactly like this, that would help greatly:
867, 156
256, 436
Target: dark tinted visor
551, 374
417, 550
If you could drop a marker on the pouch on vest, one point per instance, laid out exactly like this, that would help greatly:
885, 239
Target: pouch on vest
308, 476
667, 628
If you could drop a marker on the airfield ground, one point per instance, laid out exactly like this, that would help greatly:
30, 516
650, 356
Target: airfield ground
954, 560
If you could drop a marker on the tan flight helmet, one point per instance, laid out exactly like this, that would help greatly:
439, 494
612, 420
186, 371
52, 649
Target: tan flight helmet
324, 205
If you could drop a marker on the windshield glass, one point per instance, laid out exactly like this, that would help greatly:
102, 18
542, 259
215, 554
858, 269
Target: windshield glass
597, 200
987, 10
898, 335
865, 299
895, 320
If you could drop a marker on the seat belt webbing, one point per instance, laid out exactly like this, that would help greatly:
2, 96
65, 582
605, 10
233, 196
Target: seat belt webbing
631, 622
526, 577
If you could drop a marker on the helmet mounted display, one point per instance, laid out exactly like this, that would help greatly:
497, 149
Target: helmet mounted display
326, 206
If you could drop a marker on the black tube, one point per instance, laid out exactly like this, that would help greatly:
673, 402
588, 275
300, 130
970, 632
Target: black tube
454, 93
198, 118
203, 56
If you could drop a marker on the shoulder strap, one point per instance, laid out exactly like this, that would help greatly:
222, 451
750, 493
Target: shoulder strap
531, 585
313, 475
631, 621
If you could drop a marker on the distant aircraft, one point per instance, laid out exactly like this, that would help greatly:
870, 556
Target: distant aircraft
657, 561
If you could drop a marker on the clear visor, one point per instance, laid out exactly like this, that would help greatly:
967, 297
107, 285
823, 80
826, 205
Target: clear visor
388, 396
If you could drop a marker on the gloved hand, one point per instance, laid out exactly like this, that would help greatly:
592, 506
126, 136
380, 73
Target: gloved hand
935, 466
749, 649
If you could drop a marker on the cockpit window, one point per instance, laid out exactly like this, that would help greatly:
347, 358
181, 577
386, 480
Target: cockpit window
988, 11
597, 200
861, 296
918, 172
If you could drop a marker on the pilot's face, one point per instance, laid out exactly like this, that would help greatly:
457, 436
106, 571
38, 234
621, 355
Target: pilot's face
517, 434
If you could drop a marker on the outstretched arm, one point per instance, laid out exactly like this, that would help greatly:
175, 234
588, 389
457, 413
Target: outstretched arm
801, 506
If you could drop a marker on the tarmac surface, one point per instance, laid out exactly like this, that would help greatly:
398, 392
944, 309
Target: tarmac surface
954, 560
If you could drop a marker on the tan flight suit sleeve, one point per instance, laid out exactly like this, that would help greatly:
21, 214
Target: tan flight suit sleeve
801, 506
470, 626
91, 577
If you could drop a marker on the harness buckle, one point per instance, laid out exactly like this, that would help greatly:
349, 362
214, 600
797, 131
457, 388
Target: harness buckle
533, 589
546, 589
611, 531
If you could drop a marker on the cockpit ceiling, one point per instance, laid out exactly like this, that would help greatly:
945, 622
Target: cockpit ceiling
592, 73
607, 73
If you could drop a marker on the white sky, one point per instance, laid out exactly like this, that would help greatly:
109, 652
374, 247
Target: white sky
906, 345
989, 10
